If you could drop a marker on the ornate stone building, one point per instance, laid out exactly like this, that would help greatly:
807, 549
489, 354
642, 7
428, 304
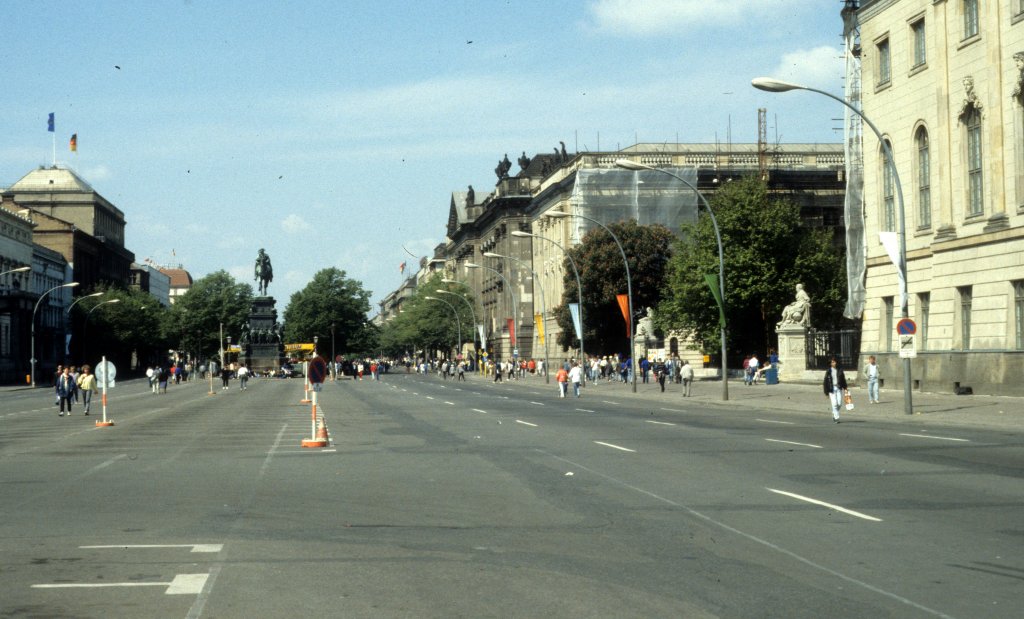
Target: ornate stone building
944, 81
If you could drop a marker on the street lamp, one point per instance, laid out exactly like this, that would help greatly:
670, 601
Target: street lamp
95, 294
85, 326
334, 368
773, 85
579, 288
543, 311
458, 321
32, 361
470, 305
515, 312
629, 283
633, 165
17, 270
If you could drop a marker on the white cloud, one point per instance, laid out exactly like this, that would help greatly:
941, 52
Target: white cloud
651, 17
811, 67
294, 224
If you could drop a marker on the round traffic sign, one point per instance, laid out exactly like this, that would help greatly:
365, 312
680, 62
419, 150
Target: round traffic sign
317, 370
105, 372
906, 326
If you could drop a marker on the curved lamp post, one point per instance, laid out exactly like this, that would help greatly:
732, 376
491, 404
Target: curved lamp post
82, 298
579, 288
515, 312
543, 312
32, 361
458, 321
633, 165
629, 284
85, 326
17, 270
470, 305
773, 85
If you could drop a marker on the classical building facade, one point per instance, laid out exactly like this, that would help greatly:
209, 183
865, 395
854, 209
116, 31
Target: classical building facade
944, 81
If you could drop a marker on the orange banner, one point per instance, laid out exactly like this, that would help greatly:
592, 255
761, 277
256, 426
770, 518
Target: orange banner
624, 306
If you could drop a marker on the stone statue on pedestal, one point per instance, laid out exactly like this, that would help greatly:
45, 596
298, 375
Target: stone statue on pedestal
798, 312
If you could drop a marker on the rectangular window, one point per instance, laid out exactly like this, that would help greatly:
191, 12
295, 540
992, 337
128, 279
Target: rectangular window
884, 73
970, 18
887, 322
5, 335
965, 316
924, 301
888, 196
1018, 312
920, 51
975, 203
924, 183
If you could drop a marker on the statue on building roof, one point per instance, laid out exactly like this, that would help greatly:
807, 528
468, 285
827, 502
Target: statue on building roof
503, 167
470, 197
524, 161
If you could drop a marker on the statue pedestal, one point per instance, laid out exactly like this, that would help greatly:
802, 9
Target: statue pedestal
792, 352
264, 352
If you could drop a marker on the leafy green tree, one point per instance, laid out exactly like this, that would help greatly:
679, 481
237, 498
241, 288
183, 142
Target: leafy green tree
428, 324
194, 322
603, 276
126, 332
767, 250
329, 299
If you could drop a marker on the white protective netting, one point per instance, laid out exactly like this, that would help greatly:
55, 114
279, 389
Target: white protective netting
646, 196
856, 246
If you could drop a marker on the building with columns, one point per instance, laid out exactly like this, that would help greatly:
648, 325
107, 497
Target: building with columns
943, 80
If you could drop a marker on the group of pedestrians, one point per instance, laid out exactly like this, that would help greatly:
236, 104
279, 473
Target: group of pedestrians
70, 384
569, 372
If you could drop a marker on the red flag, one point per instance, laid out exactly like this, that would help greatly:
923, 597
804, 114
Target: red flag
512, 331
401, 268
624, 306
73, 144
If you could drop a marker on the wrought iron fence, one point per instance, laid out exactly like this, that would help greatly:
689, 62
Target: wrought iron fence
844, 345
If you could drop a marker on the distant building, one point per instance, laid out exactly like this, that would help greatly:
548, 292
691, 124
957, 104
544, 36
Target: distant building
146, 278
180, 281
76, 221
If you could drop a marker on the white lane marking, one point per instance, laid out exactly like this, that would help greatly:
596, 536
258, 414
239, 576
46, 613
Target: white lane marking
757, 540
183, 584
194, 547
104, 465
824, 504
673, 410
537, 403
610, 402
526, 423
616, 447
785, 423
585, 410
273, 450
429, 397
938, 438
660, 423
772, 440
450, 403
477, 410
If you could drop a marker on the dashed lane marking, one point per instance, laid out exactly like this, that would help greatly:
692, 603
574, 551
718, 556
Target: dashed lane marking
660, 423
831, 506
526, 423
773, 440
620, 448
938, 438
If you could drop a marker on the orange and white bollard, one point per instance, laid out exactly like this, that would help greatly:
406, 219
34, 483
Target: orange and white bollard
305, 382
104, 423
317, 438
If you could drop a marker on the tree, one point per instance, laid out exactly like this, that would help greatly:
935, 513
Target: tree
603, 276
329, 299
126, 331
429, 324
767, 252
195, 320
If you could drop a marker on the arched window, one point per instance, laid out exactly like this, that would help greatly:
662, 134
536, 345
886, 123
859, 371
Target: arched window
924, 183
888, 194
975, 185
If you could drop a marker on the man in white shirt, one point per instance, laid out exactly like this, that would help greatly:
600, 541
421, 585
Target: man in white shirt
575, 376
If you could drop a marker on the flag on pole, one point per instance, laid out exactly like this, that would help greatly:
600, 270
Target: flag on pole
624, 306
538, 321
50, 123
73, 144
401, 267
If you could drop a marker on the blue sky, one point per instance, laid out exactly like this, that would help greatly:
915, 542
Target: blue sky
333, 133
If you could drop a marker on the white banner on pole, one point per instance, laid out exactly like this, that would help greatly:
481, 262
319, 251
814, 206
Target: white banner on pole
574, 310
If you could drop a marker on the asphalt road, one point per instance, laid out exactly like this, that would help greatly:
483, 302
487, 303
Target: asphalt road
445, 499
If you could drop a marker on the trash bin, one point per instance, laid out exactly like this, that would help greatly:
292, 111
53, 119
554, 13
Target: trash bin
771, 376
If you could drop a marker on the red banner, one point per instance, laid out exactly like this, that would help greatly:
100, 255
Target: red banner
624, 306
512, 332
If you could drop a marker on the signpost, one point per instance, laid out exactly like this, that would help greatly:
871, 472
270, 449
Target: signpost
316, 373
906, 329
105, 374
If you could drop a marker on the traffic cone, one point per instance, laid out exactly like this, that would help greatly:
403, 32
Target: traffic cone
321, 430
321, 439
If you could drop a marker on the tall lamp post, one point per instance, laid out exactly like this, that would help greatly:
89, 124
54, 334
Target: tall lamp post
629, 284
32, 361
334, 365
579, 287
543, 310
458, 321
515, 310
468, 304
17, 270
633, 165
773, 85
85, 325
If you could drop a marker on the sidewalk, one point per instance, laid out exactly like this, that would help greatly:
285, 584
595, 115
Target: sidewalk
809, 400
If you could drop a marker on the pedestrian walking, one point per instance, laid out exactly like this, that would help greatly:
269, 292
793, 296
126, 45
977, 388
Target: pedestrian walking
575, 377
686, 375
835, 387
225, 379
563, 381
243, 377
66, 389
871, 372
87, 385
661, 373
